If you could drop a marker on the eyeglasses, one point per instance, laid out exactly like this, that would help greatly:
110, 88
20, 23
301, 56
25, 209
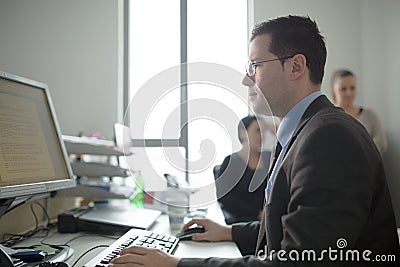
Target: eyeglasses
251, 65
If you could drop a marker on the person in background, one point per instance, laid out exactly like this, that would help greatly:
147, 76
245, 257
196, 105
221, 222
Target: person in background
343, 91
245, 171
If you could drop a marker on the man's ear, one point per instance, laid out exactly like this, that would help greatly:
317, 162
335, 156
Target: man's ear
299, 66
243, 135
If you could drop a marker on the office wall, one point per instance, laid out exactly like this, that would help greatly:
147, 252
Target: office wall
380, 38
73, 47
360, 35
339, 21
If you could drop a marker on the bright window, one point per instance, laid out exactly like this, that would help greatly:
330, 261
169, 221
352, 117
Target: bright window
154, 48
217, 33
216, 37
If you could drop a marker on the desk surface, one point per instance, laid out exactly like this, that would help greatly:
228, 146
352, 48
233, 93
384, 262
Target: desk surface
81, 242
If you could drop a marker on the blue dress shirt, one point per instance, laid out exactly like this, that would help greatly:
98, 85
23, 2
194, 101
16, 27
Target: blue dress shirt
286, 130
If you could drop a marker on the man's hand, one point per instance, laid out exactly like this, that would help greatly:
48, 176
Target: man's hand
213, 231
141, 256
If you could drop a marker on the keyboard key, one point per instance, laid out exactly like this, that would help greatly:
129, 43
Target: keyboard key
138, 238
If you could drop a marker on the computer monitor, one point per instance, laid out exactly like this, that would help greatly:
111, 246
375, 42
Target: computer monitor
33, 160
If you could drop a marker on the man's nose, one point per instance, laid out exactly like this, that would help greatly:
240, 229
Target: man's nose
247, 81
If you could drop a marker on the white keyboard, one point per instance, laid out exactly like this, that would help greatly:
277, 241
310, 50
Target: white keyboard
135, 237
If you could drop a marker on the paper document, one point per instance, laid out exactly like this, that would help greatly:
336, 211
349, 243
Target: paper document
23, 149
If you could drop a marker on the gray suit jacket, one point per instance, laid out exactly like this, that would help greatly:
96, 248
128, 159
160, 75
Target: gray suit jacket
330, 193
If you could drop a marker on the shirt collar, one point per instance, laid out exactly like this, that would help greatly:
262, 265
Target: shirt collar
293, 117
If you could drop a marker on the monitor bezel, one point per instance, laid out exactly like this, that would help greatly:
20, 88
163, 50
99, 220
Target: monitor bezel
28, 189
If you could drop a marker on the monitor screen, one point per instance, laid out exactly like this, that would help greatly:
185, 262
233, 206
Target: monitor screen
33, 159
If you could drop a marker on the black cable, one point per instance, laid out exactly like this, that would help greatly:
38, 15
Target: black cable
47, 237
66, 244
15, 238
35, 216
85, 235
87, 251
74, 238
44, 211
12, 240
47, 230
37, 229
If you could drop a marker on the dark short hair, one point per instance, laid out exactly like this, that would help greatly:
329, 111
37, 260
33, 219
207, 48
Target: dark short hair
244, 125
339, 73
293, 35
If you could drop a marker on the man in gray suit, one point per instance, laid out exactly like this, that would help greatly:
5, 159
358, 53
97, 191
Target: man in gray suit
327, 200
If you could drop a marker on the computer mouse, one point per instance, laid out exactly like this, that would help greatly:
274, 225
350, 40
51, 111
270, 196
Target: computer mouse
188, 233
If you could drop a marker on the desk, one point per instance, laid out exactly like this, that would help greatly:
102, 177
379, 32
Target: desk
82, 242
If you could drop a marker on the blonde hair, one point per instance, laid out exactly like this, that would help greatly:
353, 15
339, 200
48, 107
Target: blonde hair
339, 73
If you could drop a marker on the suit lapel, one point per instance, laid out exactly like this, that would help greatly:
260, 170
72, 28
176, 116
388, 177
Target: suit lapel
320, 103
262, 230
317, 105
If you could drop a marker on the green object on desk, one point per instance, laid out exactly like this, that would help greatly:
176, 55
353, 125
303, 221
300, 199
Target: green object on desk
138, 198
49, 249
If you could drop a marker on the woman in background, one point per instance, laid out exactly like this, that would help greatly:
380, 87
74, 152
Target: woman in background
241, 179
343, 92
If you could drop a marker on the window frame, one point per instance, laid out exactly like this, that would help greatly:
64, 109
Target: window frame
183, 140
183, 137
